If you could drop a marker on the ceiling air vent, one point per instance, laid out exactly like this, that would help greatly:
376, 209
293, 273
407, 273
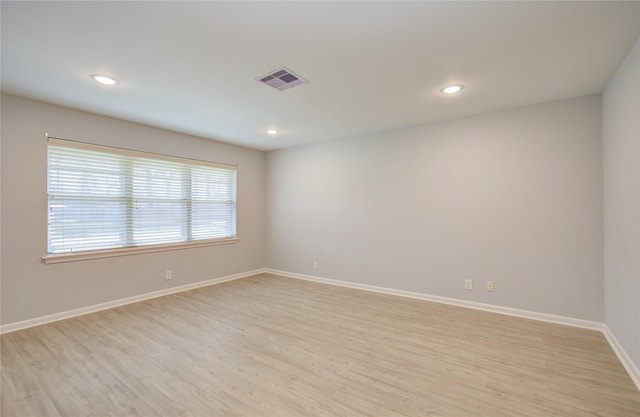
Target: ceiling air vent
282, 78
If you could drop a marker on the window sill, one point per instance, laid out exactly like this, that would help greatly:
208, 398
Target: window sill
110, 253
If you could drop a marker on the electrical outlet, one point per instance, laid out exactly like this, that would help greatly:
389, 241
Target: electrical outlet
490, 286
167, 275
315, 264
468, 284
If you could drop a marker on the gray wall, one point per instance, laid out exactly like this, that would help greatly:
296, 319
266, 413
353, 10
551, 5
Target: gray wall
621, 122
514, 197
31, 289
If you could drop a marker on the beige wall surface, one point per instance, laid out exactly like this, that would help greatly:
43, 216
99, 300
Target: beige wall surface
514, 197
621, 126
31, 289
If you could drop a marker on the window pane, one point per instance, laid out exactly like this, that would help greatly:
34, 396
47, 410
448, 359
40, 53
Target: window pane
84, 173
213, 184
78, 225
102, 198
87, 201
157, 179
213, 220
158, 222
214, 203
160, 202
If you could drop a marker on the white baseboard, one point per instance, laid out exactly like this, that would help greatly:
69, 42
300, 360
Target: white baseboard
568, 321
626, 361
25, 324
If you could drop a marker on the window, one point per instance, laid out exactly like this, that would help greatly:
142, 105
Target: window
104, 198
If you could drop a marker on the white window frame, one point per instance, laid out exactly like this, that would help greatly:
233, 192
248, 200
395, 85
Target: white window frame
130, 248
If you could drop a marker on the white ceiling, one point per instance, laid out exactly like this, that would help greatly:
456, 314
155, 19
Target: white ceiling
372, 66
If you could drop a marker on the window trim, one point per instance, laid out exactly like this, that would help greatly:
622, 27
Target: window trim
133, 250
130, 152
50, 258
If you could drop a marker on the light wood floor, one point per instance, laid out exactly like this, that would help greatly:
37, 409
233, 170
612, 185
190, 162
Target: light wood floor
272, 346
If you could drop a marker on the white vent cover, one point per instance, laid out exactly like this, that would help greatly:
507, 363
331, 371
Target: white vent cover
281, 79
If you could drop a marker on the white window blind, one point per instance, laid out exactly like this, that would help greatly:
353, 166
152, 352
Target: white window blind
104, 198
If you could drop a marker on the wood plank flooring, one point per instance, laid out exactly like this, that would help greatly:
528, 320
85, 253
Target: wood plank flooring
273, 346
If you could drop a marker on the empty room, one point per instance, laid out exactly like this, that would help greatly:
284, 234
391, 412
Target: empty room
320, 208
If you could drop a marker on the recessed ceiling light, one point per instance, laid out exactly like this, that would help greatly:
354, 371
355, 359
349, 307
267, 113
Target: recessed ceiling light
104, 79
272, 131
452, 89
